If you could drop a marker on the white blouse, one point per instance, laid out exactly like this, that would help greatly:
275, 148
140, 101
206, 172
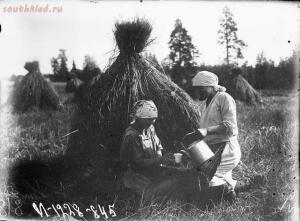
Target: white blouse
221, 110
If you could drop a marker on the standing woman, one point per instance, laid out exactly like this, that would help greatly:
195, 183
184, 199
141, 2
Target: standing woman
219, 124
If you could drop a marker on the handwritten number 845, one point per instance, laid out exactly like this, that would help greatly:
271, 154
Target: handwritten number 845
102, 211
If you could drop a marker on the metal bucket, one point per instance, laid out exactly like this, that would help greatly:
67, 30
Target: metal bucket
199, 152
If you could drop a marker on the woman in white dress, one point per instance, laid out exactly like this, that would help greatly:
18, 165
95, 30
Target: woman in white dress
219, 124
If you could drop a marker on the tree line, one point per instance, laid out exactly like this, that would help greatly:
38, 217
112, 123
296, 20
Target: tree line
62, 73
181, 66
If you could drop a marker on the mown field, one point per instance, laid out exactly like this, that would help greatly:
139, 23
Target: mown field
268, 135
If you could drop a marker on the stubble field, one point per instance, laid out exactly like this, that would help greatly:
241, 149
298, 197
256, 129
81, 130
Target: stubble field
268, 135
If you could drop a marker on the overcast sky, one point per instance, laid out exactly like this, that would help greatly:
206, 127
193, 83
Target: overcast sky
86, 28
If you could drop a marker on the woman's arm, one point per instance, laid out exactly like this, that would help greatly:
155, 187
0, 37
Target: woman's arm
218, 129
135, 154
228, 113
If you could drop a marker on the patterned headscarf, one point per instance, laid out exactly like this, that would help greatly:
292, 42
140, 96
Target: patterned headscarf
206, 78
145, 109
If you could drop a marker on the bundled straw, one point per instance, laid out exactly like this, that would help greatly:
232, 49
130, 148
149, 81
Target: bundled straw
73, 84
240, 88
132, 37
33, 91
244, 91
105, 106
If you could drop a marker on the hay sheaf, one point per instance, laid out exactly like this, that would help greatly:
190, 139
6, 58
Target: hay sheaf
132, 37
241, 90
73, 84
104, 109
34, 91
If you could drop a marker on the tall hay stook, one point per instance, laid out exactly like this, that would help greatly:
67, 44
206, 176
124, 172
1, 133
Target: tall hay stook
245, 92
73, 84
34, 91
104, 109
240, 89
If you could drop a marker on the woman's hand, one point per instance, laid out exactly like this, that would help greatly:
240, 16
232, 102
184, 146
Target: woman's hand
198, 134
203, 131
159, 153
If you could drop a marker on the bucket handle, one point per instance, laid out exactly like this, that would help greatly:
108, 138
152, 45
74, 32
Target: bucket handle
186, 153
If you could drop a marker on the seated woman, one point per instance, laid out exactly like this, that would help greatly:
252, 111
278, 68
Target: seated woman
141, 155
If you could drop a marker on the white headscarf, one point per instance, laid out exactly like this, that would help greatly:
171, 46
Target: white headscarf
144, 109
206, 78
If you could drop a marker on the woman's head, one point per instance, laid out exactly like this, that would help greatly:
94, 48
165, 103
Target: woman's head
205, 84
203, 92
145, 113
145, 122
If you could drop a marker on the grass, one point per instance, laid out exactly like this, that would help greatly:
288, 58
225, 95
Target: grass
268, 136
